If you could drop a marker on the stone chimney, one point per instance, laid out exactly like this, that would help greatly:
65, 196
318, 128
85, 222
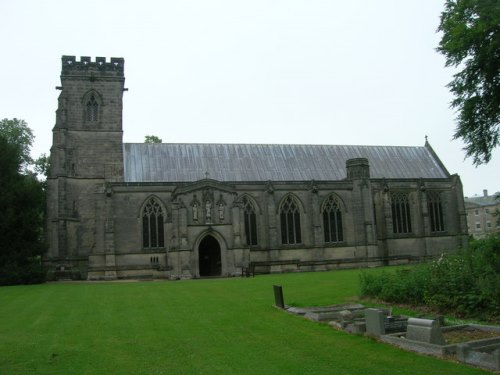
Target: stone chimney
357, 169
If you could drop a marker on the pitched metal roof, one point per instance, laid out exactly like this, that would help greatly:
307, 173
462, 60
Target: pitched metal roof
189, 162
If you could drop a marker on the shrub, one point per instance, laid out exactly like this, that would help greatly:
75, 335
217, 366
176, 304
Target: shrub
467, 283
405, 286
30, 271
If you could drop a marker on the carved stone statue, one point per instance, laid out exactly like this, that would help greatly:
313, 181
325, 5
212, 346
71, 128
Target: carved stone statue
221, 211
195, 211
208, 209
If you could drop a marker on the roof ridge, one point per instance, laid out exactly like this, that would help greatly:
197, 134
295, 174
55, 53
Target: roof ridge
269, 144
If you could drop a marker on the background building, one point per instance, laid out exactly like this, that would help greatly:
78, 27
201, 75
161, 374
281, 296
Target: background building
483, 214
120, 210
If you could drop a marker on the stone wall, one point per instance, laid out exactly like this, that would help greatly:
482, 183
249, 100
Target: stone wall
87, 153
95, 220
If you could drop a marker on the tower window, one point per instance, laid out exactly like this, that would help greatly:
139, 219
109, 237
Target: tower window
92, 109
250, 222
290, 222
152, 225
401, 217
332, 220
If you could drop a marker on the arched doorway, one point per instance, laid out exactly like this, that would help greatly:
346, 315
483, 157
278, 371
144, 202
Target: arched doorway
209, 257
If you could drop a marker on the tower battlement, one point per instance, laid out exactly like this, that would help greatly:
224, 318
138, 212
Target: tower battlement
70, 66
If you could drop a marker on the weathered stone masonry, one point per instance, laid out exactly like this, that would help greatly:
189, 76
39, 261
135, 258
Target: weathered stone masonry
188, 210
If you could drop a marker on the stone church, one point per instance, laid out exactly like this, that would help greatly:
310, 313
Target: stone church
131, 210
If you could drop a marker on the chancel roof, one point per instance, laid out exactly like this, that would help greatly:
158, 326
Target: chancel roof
189, 162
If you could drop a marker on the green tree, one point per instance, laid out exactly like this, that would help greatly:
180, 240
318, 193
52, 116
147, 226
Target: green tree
42, 168
17, 133
42, 165
471, 42
21, 220
152, 139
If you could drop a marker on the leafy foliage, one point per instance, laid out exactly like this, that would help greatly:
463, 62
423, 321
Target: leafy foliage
18, 133
471, 41
467, 283
403, 286
22, 202
152, 139
42, 165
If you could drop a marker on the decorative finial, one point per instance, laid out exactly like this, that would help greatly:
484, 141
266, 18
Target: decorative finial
207, 174
426, 138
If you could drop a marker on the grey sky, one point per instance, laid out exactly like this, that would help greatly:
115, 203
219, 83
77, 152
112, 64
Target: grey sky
315, 72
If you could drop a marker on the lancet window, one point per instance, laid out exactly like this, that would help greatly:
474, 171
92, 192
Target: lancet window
332, 220
435, 206
152, 225
290, 222
92, 109
401, 216
250, 222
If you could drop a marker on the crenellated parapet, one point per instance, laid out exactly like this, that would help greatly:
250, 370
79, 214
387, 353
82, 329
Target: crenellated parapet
71, 66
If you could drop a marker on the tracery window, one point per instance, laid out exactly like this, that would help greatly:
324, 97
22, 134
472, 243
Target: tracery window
332, 220
152, 225
434, 203
290, 222
401, 216
250, 222
92, 109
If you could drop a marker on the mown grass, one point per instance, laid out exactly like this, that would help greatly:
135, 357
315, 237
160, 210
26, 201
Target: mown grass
214, 326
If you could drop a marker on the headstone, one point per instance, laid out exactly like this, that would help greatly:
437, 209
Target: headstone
278, 296
425, 330
374, 319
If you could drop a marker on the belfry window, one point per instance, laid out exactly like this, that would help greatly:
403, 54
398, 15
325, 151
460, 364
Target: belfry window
434, 203
401, 217
290, 222
92, 109
152, 225
250, 222
332, 220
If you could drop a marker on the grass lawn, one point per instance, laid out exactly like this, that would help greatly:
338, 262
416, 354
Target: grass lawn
212, 326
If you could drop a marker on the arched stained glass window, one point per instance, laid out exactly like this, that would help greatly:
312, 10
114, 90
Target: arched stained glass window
152, 225
332, 220
250, 221
92, 109
290, 222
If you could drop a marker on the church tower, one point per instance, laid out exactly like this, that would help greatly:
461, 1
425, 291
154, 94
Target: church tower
86, 155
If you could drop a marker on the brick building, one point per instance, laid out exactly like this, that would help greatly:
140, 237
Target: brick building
120, 210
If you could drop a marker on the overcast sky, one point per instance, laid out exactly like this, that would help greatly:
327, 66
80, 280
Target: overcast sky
314, 72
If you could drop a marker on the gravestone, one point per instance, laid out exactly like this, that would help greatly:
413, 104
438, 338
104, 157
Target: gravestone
425, 330
278, 296
374, 319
